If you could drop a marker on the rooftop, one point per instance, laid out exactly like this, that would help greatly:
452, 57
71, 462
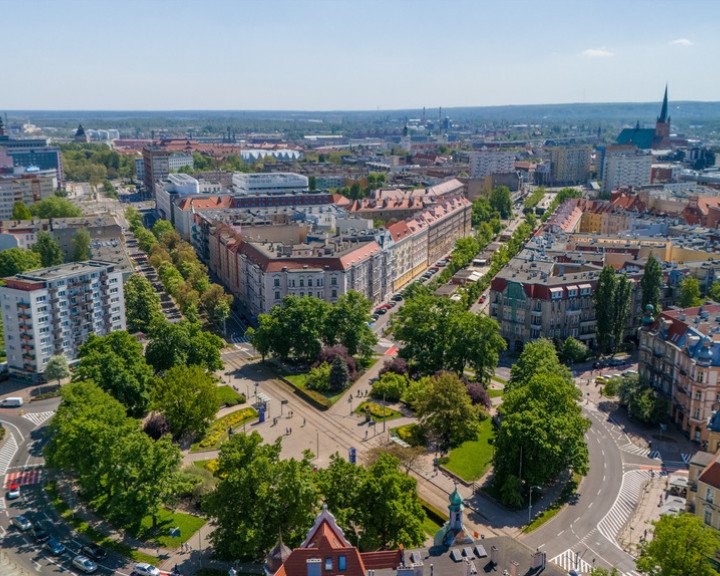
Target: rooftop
62, 271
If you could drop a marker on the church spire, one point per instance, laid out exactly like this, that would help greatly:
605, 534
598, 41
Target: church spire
664, 110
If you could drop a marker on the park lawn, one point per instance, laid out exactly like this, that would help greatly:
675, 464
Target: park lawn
377, 411
167, 519
471, 459
228, 397
494, 393
91, 533
408, 433
207, 464
218, 431
434, 518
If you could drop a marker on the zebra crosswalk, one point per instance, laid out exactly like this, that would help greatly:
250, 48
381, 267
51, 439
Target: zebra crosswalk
7, 452
239, 339
631, 448
655, 454
570, 560
38, 418
686, 458
625, 503
24, 477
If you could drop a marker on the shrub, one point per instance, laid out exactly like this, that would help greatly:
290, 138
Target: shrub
397, 365
338, 374
478, 394
390, 387
327, 356
157, 426
413, 390
319, 378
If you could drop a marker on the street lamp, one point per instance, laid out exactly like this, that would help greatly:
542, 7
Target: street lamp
530, 502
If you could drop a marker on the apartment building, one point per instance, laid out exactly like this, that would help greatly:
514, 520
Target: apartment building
52, 311
35, 154
625, 166
177, 161
156, 166
569, 165
680, 357
703, 493
27, 187
274, 183
261, 274
490, 161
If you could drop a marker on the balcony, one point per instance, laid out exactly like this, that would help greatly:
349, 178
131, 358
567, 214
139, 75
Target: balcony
28, 347
23, 306
536, 313
29, 357
29, 367
24, 316
25, 327
573, 311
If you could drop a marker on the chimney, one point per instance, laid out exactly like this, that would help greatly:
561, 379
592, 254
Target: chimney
494, 555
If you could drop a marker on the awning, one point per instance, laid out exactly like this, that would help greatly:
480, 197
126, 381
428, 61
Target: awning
585, 286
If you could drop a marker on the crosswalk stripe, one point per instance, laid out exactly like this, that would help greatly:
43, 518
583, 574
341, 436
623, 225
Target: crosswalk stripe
569, 560
7, 453
686, 458
23, 478
633, 449
625, 503
38, 418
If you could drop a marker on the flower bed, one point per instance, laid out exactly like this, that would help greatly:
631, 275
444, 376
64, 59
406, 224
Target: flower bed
219, 430
377, 411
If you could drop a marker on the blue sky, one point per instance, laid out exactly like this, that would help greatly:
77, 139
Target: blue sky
366, 54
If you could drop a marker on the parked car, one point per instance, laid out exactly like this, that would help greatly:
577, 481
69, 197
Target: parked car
435, 269
13, 493
391, 304
381, 311
601, 379
441, 263
21, 523
145, 569
481, 299
397, 298
84, 564
374, 317
39, 533
617, 362
54, 547
94, 551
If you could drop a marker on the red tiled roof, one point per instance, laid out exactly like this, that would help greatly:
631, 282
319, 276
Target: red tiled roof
711, 474
206, 203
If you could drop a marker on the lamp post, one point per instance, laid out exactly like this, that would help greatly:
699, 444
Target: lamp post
530, 502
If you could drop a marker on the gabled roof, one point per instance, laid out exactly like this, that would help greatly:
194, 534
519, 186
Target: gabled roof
711, 474
640, 137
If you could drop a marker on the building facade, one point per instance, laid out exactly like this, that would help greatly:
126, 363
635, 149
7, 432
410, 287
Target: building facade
28, 188
569, 165
36, 154
177, 161
680, 357
156, 166
625, 166
265, 184
491, 161
52, 311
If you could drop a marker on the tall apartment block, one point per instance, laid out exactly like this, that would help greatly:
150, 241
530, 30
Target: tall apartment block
490, 161
52, 311
28, 188
34, 153
570, 165
156, 163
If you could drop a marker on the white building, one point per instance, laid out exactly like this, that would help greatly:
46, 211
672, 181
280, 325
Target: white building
27, 187
173, 187
177, 161
625, 168
263, 184
52, 311
490, 161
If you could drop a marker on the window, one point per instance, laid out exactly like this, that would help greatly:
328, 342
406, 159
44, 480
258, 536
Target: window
309, 281
334, 293
113, 290
42, 309
302, 283
40, 299
333, 281
341, 562
700, 377
328, 563
276, 282
708, 516
710, 494
277, 295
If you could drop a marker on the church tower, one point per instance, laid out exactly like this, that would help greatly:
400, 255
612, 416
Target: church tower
661, 140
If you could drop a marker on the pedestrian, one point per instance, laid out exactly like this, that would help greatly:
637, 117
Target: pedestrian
286, 431
303, 421
366, 433
289, 430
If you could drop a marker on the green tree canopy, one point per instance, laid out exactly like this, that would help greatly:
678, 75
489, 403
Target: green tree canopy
184, 343
621, 310
21, 212
115, 362
446, 411
257, 494
346, 324
604, 301
81, 246
16, 260
501, 202
142, 304
689, 293
651, 283
681, 545
55, 207
161, 227
49, 250
188, 398
56, 368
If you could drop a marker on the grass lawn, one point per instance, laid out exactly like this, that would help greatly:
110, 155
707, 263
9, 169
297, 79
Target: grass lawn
90, 533
494, 393
471, 459
498, 379
300, 380
228, 396
167, 519
209, 464
377, 411
434, 519
408, 433
219, 429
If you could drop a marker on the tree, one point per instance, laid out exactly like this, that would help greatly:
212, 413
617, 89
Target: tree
651, 283
319, 378
604, 572
347, 323
537, 357
216, 303
258, 493
338, 377
49, 250
479, 395
21, 212
55, 207
146, 239
501, 202
184, 343
681, 545
689, 293
604, 300
642, 401
56, 369
621, 310
542, 431
473, 340
390, 387
572, 350
445, 409
116, 363
81, 246
142, 304
714, 291
161, 227
16, 260
312, 183
187, 396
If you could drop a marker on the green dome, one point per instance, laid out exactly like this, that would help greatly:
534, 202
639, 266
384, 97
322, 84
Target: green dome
455, 498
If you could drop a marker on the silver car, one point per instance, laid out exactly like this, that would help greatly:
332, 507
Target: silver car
84, 564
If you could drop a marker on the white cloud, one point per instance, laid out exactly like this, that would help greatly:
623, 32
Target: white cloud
681, 42
597, 53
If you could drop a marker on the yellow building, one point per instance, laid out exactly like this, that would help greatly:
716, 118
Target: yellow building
703, 496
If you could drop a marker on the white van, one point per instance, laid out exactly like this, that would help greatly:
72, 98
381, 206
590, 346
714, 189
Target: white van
11, 402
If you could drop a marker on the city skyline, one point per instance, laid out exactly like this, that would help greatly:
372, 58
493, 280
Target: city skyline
314, 55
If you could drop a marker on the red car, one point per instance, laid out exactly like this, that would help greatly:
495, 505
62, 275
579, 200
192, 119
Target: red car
481, 299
